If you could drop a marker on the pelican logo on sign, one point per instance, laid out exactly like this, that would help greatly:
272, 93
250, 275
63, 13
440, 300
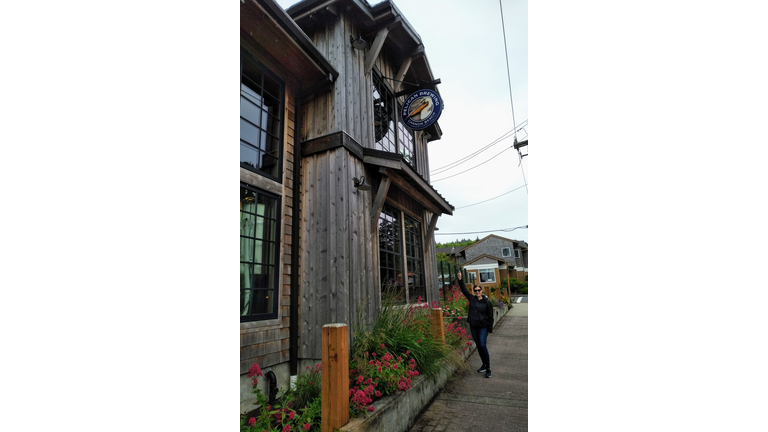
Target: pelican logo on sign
421, 109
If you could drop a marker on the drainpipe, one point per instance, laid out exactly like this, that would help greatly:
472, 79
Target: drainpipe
295, 231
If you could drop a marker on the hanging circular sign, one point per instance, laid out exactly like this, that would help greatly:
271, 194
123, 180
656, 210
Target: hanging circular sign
421, 109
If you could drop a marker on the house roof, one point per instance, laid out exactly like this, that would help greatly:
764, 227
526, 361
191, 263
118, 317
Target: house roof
501, 261
278, 37
401, 39
396, 168
521, 243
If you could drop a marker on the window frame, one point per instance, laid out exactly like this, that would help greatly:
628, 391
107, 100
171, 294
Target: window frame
400, 251
481, 271
518, 255
378, 84
247, 56
276, 264
509, 252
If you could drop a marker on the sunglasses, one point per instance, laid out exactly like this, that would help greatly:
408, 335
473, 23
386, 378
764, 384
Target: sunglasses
478, 290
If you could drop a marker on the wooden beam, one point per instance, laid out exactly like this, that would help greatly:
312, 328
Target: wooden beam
431, 227
378, 202
438, 331
334, 392
401, 74
373, 53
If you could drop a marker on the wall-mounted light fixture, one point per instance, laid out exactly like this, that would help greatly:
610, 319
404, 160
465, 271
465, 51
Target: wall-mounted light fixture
361, 184
358, 43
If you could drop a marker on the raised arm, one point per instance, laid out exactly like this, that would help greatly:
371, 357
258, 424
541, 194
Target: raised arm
463, 287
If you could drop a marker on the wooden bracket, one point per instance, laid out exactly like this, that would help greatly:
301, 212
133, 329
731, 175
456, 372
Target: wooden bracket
378, 202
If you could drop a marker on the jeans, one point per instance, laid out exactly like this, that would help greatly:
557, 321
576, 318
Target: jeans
480, 335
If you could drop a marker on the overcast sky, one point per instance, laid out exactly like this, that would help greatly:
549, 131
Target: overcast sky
464, 43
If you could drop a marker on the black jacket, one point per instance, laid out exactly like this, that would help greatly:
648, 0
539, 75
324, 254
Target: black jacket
480, 311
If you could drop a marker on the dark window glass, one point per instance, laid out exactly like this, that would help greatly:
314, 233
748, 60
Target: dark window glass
258, 251
415, 256
260, 119
391, 134
390, 258
404, 275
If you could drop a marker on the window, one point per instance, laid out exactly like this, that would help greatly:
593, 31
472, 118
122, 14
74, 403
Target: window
261, 121
258, 252
386, 120
393, 225
505, 252
517, 253
487, 275
415, 265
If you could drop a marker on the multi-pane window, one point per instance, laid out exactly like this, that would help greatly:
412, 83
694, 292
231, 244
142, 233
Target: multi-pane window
260, 118
505, 252
391, 134
390, 253
401, 270
415, 260
487, 275
258, 254
517, 253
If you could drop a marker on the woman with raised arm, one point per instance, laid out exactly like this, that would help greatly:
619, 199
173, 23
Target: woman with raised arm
480, 320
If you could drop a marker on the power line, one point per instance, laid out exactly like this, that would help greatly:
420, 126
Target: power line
509, 80
481, 232
466, 158
490, 199
473, 166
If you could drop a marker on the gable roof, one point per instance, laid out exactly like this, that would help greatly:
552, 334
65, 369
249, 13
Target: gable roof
523, 244
485, 256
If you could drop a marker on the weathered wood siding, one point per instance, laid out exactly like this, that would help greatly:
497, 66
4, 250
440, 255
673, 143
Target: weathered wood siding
348, 107
267, 342
339, 266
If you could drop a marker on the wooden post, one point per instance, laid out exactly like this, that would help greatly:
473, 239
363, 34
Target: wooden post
438, 331
334, 387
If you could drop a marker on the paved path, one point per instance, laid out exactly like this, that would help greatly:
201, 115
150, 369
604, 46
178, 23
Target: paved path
471, 402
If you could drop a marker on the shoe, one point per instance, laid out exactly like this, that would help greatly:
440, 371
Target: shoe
488, 373
482, 369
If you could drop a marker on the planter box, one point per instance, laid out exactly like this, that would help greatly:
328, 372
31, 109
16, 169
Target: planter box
398, 412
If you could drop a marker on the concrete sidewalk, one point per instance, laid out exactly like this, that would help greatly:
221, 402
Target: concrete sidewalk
471, 402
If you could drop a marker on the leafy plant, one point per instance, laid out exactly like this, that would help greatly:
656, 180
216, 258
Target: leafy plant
294, 412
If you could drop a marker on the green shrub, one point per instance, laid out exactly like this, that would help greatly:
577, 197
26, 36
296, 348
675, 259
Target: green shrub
515, 285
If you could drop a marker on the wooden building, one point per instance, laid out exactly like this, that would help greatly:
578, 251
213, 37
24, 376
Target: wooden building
336, 203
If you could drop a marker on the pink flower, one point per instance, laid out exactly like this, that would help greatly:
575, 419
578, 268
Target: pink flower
291, 415
408, 352
370, 408
378, 393
373, 354
306, 426
360, 379
287, 428
255, 370
252, 421
382, 346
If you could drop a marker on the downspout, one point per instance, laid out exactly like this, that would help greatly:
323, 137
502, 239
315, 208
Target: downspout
293, 350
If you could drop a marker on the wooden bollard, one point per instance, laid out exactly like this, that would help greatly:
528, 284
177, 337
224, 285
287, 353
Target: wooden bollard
334, 385
438, 332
